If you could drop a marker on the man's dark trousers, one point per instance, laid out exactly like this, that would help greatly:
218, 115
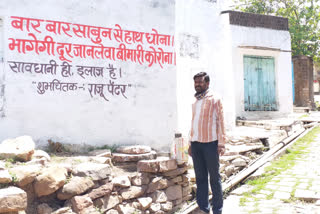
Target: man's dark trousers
206, 160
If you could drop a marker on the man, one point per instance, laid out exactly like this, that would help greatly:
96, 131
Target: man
207, 138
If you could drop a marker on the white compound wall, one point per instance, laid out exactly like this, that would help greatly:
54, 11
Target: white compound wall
88, 72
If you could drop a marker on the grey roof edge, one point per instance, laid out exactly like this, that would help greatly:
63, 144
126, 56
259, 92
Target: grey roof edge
257, 20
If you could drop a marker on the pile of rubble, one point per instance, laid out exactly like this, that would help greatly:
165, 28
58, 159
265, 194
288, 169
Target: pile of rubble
239, 153
38, 183
134, 179
250, 139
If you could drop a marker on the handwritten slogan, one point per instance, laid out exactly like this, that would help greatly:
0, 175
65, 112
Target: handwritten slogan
47, 37
68, 51
84, 72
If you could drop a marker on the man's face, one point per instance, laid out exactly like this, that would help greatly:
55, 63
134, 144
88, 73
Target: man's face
200, 85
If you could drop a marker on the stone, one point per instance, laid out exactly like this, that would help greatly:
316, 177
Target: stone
238, 162
159, 196
135, 204
176, 179
38, 154
132, 192
288, 182
103, 190
302, 186
76, 186
187, 197
20, 148
79, 159
158, 183
185, 179
175, 172
31, 197
80, 203
136, 149
112, 211
94, 170
90, 210
42, 161
306, 195
192, 175
177, 202
120, 157
166, 164
5, 177
103, 160
106, 180
155, 207
222, 167
26, 175
184, 184
241, 190
67, 166
44, 209
126, 208
229, 170
50, 180
194, 188
2, 165
67, 203
227, 159
245, 158
140, 179
121, 181
285, 189
223, 177
63, 210
174, 192
244, 148
12, 199
108, 202
18, 212
282, 195
145, 202
101, 153
148, 166
186, 191
230, 153
161, 164
167, 206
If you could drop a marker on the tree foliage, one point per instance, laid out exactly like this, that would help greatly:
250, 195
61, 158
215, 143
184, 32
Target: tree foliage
303, 17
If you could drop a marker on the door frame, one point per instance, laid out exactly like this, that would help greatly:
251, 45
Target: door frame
257, 84
239, 54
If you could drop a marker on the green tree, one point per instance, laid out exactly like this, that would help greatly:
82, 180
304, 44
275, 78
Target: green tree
303, 17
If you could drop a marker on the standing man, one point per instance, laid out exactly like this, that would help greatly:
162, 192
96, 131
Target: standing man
207, 138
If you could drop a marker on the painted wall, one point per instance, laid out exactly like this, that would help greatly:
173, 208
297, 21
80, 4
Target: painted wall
163, 44
66, 76
203, 44
267, 38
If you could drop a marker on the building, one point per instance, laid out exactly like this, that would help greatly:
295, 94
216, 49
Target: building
248, 56
120, 72
303, 81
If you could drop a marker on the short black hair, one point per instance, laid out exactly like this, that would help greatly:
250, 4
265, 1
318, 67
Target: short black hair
202, 74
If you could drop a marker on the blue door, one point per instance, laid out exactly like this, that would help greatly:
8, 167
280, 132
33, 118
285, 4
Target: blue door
259, 84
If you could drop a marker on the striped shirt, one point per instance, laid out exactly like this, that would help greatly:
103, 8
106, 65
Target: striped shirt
208, 120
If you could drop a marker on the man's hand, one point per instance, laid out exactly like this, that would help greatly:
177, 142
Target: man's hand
221, 149
189, 150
